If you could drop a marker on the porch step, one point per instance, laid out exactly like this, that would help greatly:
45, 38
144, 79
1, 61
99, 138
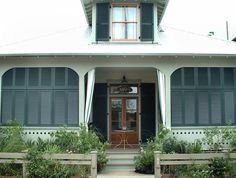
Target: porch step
120, 160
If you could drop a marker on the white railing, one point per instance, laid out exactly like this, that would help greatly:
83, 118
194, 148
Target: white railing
69, 159
184, 159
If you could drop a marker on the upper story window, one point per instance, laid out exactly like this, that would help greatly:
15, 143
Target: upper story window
124, 22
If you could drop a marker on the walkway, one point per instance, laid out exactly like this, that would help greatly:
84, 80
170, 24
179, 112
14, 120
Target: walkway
120, 174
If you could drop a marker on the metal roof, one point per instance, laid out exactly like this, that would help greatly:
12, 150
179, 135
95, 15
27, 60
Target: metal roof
78, 43
88, 5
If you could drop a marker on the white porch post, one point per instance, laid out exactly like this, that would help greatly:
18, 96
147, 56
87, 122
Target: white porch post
0, 95
89, 95
81, 97
155, 24
93, 36
168, 101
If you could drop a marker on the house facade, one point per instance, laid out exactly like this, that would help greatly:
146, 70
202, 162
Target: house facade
122, 74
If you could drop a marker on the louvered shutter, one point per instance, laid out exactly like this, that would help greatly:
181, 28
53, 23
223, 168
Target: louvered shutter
146, 28
102, 22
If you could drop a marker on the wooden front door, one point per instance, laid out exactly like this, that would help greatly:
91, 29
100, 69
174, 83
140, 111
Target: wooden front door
124, 117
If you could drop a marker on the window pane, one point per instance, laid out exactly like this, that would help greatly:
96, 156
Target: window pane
33, 77
229, 107
118, 14
203, 108
202, 76
131, 113
46, 78
188, 76
216, 108
131, 31
229, 77
60, 76
119, 31
20, 77
116, 106
176, 78
177, 108
189, 108
215, 76
130, 14
7, 78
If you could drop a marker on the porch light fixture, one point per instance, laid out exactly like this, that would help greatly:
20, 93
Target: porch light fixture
124, 80
124, 87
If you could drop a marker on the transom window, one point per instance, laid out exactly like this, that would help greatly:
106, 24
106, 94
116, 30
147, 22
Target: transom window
124, 22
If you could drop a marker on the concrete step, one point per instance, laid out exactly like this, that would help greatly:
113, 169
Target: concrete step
121, 160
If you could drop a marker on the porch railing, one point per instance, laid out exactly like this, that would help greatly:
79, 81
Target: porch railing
68, 159
187, 159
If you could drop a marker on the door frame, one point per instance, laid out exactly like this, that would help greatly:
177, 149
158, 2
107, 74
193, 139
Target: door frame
124, 119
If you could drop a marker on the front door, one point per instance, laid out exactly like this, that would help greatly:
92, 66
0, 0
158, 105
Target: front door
124, 118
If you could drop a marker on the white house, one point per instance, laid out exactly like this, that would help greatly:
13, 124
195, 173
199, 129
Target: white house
120, 73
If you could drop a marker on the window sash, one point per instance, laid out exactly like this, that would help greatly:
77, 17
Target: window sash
124, 22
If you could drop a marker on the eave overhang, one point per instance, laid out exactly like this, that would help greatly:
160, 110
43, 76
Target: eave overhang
88, 5
90, 55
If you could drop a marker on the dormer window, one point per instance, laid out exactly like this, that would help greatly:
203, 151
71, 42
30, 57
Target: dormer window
124, 22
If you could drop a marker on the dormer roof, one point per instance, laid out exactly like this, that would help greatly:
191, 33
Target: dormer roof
88, 5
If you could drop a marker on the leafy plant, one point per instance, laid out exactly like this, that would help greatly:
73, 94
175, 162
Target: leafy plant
200, 171
183, 170
11, 140
66, 139
216, 137
89, 141
12, 137
83, 142
219, 167
46, 168
195, 147
144, 163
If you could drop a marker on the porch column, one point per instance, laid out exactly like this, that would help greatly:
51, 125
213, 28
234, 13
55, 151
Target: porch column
1, 95
81, 99
168, 100
81, 95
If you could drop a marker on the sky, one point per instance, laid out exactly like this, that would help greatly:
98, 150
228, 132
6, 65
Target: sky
25, 20
202, 16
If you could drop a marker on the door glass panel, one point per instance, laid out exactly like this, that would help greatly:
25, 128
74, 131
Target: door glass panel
116, 110
131, 114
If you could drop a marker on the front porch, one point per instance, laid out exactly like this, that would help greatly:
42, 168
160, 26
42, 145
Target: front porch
125, 106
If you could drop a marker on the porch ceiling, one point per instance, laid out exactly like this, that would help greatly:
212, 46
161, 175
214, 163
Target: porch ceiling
132, 74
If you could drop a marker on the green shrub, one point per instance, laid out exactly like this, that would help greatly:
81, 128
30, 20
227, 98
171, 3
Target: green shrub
216, 137
195, 147
39, 167
11, 140
12, 137
200, 171
67, 140
144, 163
83, 142
169, 144
219, 167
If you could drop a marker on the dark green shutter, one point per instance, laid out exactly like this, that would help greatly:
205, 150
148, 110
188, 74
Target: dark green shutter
146, 27
102, 22
100, 109
148, 111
